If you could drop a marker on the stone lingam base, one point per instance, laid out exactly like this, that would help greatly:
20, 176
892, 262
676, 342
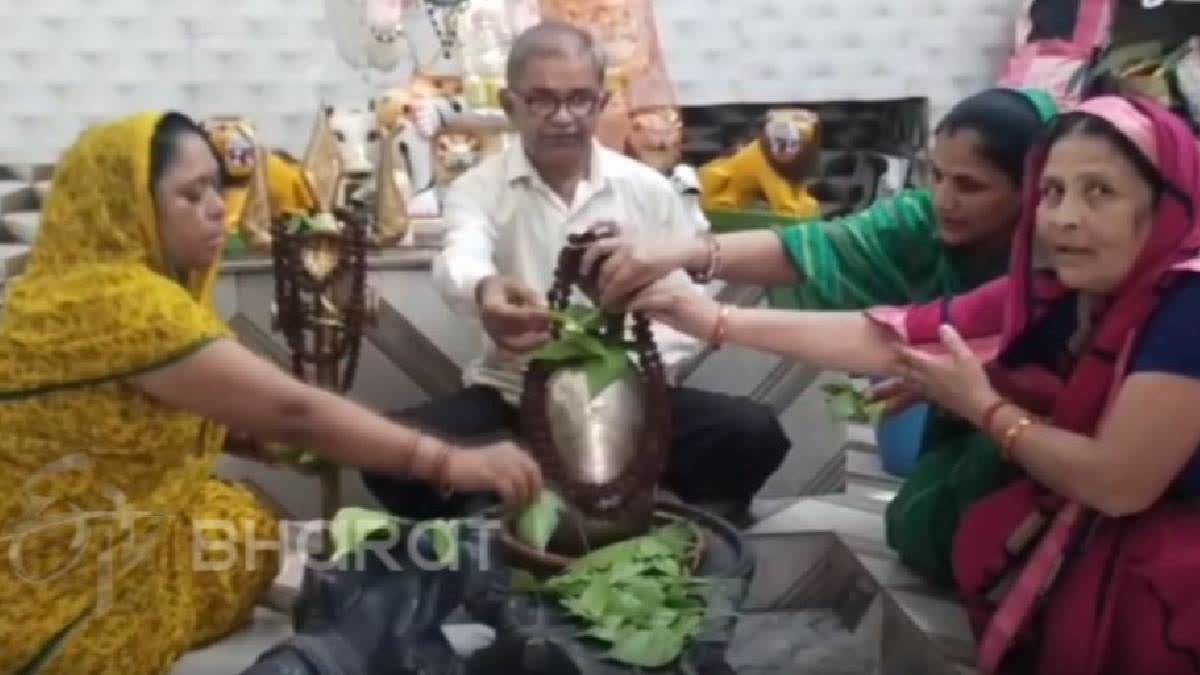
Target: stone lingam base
721, 556
570, 540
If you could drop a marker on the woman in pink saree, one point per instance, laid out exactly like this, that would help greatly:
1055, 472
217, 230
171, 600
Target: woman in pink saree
1084, 364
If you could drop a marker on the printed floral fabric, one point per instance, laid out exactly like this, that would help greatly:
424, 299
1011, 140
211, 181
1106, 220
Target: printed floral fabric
117, 547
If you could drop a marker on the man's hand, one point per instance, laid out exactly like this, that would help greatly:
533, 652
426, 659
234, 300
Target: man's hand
515, 316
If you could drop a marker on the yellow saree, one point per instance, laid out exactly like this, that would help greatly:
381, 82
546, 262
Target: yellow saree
105, 489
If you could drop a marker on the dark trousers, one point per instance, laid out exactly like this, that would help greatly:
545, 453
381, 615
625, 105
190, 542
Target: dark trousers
722, 451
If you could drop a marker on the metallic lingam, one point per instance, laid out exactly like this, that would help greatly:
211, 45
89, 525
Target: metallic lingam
603, 453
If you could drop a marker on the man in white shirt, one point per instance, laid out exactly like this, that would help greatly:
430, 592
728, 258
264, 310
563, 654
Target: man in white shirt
507, 221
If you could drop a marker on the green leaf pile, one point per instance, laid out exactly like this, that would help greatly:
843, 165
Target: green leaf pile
848, 403
582, 344
637, 596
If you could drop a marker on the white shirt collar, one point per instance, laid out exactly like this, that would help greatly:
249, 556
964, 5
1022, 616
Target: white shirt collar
518, 167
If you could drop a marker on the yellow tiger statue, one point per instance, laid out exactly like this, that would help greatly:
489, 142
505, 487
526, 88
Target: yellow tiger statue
775, 167
265, 186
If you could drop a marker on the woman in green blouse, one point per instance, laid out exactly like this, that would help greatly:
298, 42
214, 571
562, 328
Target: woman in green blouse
913, 248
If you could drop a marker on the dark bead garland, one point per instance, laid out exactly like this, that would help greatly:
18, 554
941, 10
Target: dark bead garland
629, 496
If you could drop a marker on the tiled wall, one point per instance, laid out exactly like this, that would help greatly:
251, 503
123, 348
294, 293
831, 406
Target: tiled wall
759, 51
66, 63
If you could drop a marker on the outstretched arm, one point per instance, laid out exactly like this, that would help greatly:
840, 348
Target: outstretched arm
628, 264
887, 254
847, 341
229, 384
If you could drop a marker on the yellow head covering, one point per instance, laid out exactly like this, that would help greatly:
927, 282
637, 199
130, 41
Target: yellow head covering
97, 300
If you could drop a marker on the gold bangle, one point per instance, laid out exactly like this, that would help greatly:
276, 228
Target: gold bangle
714, 260
721, 328
1012, 435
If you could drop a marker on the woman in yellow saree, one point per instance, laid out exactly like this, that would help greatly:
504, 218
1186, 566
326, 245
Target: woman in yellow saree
117, 382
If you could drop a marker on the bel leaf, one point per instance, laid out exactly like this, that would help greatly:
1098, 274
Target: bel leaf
603, 632
595, 601
652, 648
637, 596
676, 536
537, 524
843, 407
689, 624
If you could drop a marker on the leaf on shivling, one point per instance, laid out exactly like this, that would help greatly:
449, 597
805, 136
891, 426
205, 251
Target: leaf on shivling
581, 344
539, 521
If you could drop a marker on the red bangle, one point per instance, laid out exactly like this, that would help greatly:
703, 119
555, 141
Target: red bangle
989, 415
721, 328
439, 473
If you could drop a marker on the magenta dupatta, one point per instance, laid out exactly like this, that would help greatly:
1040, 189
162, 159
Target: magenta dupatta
1079, 614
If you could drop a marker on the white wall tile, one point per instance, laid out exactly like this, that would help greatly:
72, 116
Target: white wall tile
65, 63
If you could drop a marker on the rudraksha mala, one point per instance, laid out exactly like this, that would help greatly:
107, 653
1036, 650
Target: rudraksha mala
297, 294
631, 493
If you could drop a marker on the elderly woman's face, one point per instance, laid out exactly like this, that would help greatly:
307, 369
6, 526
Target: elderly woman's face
1094, 213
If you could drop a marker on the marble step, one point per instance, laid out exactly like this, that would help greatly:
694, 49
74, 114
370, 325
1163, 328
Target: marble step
20, 226
925, 628
12, 259
17, 195
864, 469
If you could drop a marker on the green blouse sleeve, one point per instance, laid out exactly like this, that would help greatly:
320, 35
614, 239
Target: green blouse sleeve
886, 254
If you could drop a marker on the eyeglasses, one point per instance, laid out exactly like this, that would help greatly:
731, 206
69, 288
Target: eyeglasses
579, 103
